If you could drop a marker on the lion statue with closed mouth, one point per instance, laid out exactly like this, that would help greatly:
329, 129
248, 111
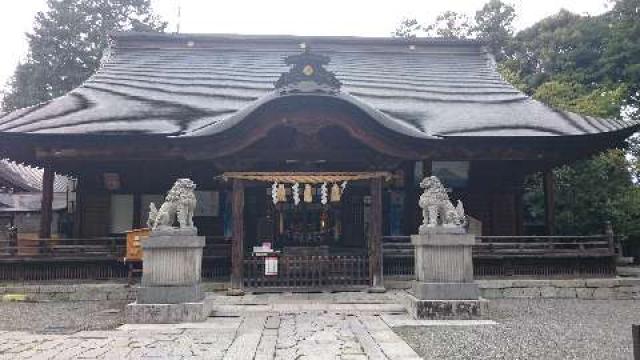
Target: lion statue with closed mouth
179, 205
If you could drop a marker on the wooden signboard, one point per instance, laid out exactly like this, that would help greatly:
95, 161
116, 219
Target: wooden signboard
134, 246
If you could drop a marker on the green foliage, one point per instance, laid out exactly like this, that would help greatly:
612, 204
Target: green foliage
67, 44
494, 26
407, 29
589, 65
588, 194
591, 192
585, 65
451, 25
575, 97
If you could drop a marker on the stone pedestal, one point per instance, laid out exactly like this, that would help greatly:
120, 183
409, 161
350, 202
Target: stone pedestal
444, 286
170, 289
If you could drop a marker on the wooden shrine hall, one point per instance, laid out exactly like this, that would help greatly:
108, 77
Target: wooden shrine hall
306, 149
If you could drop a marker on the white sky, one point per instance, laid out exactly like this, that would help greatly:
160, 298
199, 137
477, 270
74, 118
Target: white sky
325, 17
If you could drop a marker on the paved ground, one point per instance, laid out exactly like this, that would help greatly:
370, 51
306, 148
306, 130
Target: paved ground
323, 326
61, 317
298, 326
535, 329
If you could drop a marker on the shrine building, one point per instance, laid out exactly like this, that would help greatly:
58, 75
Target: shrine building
311, 146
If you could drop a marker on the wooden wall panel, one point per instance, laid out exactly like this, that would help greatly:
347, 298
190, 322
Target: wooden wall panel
95, 214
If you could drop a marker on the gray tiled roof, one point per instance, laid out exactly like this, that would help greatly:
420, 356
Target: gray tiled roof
25, 178
195, 85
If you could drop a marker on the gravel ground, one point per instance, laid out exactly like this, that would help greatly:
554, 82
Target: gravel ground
535, 329
61, 317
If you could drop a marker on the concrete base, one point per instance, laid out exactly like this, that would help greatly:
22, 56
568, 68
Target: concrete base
377, 290
446, 290
235, 292
172, 267
169, 294
166, 313
446, 309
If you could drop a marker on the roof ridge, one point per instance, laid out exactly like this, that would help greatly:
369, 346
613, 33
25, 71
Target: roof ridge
347, 39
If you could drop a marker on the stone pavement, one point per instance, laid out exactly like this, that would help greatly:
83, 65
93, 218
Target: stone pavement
294, 326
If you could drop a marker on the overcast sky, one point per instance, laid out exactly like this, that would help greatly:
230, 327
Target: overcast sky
325, 17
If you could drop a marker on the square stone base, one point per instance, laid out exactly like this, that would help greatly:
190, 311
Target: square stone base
169, 294
446, 309
166, 313
446, 291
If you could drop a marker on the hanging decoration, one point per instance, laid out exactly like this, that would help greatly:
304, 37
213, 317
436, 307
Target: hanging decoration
307, 193
335, 192
295, 191
324, 196
274, 193
282, 193
332, 184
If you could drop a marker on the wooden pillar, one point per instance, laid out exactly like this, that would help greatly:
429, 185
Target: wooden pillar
375, 237
427, 168
549, 202
409, 224
237, 241
77, 208
519, 205
138, 221
46, 206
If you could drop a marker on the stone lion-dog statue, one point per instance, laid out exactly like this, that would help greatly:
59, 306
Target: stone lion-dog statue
179, 204
437, 209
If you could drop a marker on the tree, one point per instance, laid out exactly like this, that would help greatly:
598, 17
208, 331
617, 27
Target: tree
493, 24
588, 194
407, 29
67, 44
451, 25
587, 65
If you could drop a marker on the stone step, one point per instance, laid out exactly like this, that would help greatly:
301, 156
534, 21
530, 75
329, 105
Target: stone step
236, 310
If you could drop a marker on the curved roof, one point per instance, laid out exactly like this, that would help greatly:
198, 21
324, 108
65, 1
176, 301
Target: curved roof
27, 178
198, 85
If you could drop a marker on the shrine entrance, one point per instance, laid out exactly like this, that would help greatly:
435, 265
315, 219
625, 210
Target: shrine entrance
306, 231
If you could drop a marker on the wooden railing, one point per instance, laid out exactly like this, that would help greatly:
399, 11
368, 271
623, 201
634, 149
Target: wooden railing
85, 248
498, 256
544, 246
311, 272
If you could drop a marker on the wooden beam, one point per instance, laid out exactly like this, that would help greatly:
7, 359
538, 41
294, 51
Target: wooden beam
549, 201
375, 237
46, 206
237, 241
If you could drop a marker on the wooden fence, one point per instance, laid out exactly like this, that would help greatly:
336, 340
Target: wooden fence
63, 249
493, 256
525, 256
308, 272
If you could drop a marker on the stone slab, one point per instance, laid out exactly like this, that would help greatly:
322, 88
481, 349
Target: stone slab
173, 241
446, 309
169, 294
443, 239
165, 313
445, 291
174, 231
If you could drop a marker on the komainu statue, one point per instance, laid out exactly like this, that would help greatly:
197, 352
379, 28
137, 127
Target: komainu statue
179, 204
437, 209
